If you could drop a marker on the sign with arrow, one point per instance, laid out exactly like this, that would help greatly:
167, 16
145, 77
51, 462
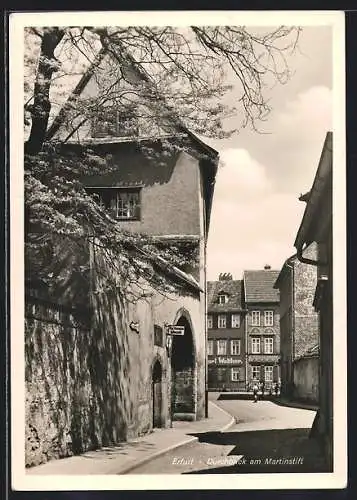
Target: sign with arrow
175, 330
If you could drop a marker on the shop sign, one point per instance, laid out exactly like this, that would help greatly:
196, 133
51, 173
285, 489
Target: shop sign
224, 360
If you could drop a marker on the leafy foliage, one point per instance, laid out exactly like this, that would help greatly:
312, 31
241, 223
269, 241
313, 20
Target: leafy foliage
172, 79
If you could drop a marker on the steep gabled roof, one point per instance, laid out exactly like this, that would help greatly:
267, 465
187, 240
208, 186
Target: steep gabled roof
143, 76
259, 286
210, 155
232, 288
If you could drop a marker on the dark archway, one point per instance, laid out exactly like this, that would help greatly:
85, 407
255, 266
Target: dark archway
157, 394
183, 371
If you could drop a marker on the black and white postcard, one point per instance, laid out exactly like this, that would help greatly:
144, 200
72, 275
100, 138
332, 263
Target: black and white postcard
177, 232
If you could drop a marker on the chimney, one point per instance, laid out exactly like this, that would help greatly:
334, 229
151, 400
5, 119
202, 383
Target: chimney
225, 277
267, 267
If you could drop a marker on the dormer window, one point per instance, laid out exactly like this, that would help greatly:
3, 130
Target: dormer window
121, 203
222, 298
111, 122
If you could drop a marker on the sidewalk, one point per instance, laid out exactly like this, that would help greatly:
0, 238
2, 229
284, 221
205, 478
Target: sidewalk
124, 457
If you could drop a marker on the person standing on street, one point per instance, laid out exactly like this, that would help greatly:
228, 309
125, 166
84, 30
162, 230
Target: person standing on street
255, 391
262, 388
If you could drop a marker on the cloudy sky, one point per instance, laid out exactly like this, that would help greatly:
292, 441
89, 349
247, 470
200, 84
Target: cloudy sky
256, 212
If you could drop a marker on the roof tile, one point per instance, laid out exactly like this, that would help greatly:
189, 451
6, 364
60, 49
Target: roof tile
233, 288
259, 286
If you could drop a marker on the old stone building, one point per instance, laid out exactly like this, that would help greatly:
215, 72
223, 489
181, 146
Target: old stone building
298, 327
262, 324
226, 335
110, 367
316, 227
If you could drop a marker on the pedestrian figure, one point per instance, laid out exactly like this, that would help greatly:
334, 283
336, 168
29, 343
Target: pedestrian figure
276, 388
255, 391
262, 388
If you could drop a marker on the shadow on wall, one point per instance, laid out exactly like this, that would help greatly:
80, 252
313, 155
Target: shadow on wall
77, 380
135, 164
78, 376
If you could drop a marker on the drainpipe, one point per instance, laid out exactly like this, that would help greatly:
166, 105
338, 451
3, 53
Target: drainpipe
292, 274
246, 349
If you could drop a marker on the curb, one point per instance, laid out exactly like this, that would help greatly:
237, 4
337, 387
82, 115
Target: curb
158, 453
232, 421
299, 405
125, 470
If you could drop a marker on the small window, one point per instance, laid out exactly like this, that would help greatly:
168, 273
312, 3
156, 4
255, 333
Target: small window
122, 203
222, 321
268, 318
255, 372
255, 318
268, 373
268, 345
222, 298
255, 345
210, 348
158, 335
235, 320
235, 346
209, 322
221, 347
235, 374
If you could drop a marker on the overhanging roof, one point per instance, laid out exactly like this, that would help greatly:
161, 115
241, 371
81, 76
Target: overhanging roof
323, 177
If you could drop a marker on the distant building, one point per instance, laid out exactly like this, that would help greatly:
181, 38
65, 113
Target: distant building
262, 322
298, 328
316, 226
226, 335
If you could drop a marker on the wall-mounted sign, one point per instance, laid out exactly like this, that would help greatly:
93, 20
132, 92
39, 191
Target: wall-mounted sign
224, 360
175, 330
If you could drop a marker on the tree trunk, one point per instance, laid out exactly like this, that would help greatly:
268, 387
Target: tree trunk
41, 107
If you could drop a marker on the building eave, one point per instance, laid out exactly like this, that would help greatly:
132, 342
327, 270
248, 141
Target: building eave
305, 234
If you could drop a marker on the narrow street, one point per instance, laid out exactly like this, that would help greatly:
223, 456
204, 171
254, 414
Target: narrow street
267, 437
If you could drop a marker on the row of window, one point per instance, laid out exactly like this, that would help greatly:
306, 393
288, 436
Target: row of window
262, 346
220, 374
237, 374
268, 318
258, 346
222, 347
222, 321
235, 320
268, 373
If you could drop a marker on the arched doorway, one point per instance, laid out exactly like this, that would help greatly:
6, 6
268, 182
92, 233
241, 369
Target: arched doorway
183, 371
156, 394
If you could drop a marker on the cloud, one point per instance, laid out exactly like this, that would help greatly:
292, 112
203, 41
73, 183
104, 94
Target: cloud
240, 176
251, 223
299, 130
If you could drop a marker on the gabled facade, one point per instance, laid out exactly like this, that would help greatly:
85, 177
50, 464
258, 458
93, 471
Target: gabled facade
226, 338
134, 374
262, 323
298, 327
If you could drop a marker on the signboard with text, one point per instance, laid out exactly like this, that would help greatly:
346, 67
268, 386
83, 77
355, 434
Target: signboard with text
224, 360
175, 330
